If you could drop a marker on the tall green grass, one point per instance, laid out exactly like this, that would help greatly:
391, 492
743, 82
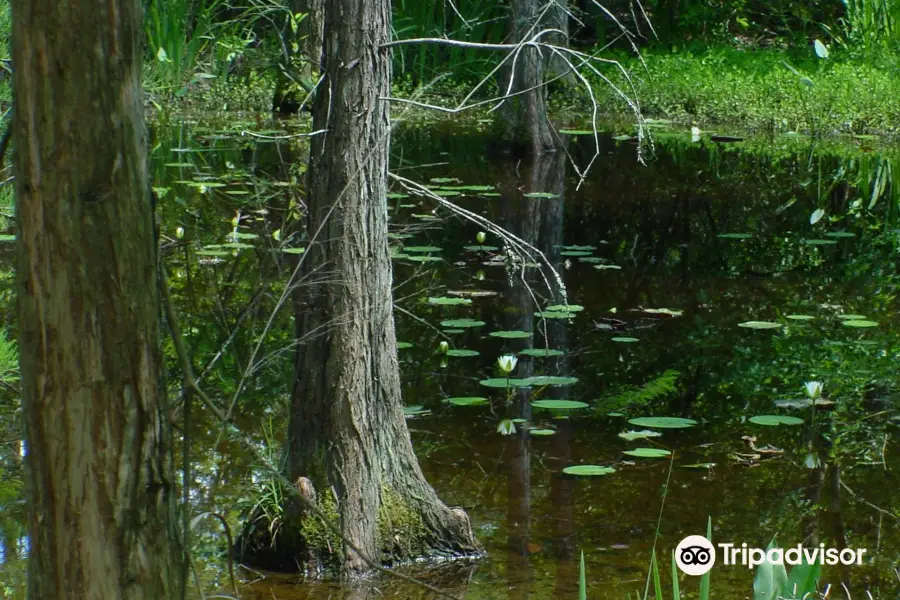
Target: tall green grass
872, 24
178, 31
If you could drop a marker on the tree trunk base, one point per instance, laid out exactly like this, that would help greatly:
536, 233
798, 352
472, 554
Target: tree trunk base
291, 539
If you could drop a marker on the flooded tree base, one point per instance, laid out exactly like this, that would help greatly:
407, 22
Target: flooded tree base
291, 538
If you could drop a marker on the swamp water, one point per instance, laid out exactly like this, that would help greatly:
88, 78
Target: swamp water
697, 287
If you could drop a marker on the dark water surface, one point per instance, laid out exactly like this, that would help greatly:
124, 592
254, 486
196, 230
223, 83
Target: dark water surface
628, 241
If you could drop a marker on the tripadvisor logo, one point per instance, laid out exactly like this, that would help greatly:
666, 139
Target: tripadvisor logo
696, 555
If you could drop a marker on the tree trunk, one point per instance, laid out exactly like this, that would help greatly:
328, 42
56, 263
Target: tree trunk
525, 116
346, 406
98, 464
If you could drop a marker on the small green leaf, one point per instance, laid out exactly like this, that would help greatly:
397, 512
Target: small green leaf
663, 422
588, 470
462, 323
759, 325
541, 352
647, 452
774, 420
510, 335
625, 340
542, 431
559, 404
859, 323
468, 401
462, 352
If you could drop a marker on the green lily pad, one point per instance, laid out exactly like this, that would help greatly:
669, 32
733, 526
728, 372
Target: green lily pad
773, 420
631, 436
588, 470
820, 242
800, 317
851, 317
859, 323
462, 323
625, 340
293, 250
574, 253
647, 452
542, 431
468, 401
404, 345
559, 404
422, 249
735, 236
462, 352
578, 247
565, 308
482, 248
663, 422
422, 258
454, 331
510, 335
448, 301
541, 352
555, 315
840, 234
760, 325
551, 380
591, 259
577, 131
503, 383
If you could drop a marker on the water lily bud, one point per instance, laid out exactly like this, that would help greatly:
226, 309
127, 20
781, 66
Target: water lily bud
506, 427
507, 363
481, 237
444, 347
813, 389
179, 232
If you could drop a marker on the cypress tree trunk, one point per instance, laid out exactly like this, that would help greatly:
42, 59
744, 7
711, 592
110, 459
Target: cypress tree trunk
525, 116
346, 410
98, 466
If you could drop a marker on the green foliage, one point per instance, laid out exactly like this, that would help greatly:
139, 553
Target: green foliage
177, 33
758, 90
635, 396
9, 359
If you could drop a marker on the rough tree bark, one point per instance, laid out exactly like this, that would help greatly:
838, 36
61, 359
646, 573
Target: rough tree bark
99, 476
346, 406
525, 116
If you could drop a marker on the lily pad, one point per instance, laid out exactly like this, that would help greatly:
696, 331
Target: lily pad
840, 234
404, 345
422, 258
647, 452
588, 470
542, 431
800, 317
859, 323
852, 317
760, 325
468, 401
574, 253
551, 380
663, 422
735, 236
422, 249
482, 248
462, 323
579, 247
511, 335
820, 242
541, 352
625, 340
555, 315
462, 352
565, 308
503, 383
559, 404
773, 420
577, 131
631, 436
448, 301
293, 250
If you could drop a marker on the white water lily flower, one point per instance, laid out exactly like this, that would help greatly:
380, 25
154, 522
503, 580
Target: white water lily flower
507, 363
814, 389
481, 237
695, 134
506, 427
